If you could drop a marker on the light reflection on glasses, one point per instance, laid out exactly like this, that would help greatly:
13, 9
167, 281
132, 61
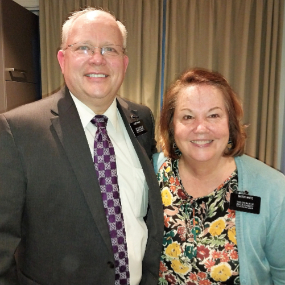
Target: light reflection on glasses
84, 49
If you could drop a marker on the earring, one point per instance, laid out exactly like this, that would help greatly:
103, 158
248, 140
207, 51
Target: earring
176, 149
230, 144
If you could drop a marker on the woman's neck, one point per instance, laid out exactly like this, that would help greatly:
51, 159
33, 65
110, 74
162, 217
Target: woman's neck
201, 178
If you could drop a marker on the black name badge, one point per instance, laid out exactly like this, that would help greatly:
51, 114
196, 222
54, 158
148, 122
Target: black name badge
138, 128
245, 203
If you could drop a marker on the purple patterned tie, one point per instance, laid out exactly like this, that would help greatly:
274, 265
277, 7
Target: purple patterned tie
105, 166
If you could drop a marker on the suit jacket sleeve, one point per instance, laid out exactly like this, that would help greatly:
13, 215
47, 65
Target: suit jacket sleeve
12, 191
153, 145
150, 143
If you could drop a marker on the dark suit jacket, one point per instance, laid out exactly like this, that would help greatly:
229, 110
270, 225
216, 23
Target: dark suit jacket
51, 209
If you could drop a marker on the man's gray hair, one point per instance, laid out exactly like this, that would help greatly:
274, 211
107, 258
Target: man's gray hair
68, 23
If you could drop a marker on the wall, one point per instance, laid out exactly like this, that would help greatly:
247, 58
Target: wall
32, 5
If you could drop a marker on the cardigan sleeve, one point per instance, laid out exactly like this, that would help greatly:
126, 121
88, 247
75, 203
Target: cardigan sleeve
260, 237
275, 244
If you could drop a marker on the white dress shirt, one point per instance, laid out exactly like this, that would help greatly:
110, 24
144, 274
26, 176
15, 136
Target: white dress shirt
132, 185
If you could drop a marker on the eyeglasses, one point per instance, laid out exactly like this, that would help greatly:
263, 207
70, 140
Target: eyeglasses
84, 49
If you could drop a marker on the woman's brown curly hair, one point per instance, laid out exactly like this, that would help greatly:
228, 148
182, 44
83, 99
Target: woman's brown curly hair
198, 76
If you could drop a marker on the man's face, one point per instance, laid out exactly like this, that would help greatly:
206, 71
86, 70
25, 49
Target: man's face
94, 79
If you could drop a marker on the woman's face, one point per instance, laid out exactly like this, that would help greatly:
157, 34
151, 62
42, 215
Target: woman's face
201, 124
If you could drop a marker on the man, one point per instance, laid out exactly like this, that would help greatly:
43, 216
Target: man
53, 211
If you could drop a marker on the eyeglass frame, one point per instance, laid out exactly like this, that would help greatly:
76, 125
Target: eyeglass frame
93, 48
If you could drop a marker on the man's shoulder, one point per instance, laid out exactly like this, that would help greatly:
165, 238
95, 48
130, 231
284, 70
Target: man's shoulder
132, 105
37, 108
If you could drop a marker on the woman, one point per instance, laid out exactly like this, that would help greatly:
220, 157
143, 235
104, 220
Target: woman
224, 212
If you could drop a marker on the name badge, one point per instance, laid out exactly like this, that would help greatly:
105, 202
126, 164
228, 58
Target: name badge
138, 128
245, 203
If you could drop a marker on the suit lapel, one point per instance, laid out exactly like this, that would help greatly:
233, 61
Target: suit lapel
128, 117
154, 193
69, 129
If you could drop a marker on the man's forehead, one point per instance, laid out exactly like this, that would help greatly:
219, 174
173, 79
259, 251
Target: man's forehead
91, 15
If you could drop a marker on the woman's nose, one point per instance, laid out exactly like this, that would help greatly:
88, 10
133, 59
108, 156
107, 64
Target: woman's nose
201, 126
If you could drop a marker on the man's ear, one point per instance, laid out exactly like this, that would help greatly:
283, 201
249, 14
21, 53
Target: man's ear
60, 58
126, 62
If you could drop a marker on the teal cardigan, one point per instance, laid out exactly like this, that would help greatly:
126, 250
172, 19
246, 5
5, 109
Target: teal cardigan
260, 237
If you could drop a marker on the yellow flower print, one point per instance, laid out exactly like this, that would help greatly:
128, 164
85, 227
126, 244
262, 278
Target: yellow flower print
167, 169
166, 196
232, 235
173, 250
217, 227
221, 272
179, 268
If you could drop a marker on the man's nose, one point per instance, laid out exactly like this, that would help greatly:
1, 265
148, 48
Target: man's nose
97, 57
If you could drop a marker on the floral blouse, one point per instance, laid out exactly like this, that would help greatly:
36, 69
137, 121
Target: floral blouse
199, 245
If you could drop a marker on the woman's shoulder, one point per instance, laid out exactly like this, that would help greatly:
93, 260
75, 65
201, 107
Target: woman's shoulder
261, 179
158, 159
253, 166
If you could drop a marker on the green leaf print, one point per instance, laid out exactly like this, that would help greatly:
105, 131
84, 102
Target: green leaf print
190, 251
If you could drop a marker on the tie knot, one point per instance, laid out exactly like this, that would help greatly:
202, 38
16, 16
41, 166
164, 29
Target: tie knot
100, 121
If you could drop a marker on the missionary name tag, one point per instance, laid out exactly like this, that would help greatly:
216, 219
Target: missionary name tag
245, 203
138, 128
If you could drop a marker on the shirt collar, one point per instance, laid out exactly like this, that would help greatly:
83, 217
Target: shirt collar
86, 114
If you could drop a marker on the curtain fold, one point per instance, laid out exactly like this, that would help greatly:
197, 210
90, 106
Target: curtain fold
241, 39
